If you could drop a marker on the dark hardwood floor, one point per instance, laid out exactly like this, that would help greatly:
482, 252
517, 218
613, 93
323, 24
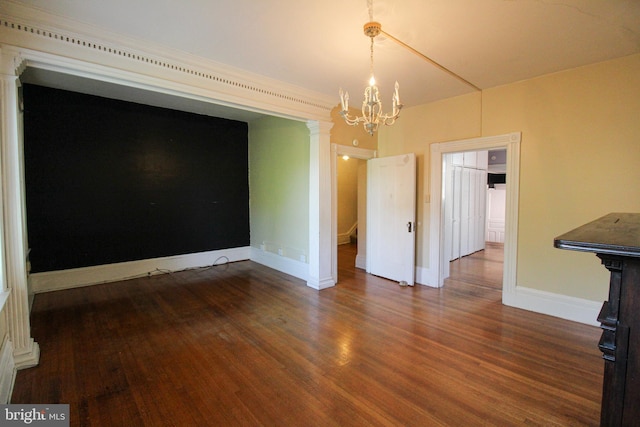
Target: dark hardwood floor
241, 344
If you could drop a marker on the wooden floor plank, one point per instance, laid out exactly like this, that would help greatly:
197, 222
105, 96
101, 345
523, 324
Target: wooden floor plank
241, 344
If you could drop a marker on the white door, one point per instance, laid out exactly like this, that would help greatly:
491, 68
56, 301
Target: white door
465, 211
391, 217
456, 211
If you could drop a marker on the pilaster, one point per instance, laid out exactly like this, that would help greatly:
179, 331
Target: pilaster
12, 227
321, 274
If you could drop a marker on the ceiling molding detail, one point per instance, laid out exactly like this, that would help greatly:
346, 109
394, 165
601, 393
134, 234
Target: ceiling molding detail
279, 92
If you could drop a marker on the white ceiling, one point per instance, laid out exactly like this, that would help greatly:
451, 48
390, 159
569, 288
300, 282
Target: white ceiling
319, 44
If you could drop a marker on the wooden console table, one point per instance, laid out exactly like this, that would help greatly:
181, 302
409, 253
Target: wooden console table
615, 239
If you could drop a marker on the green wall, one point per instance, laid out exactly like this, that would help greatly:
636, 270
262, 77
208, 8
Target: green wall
279, 186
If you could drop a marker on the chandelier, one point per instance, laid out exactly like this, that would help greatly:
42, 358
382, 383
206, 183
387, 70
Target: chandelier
372, 115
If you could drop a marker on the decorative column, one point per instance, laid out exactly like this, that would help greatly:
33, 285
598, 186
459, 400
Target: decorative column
26, 351
321, 274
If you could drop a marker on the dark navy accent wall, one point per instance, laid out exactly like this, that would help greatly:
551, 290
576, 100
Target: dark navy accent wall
111, 181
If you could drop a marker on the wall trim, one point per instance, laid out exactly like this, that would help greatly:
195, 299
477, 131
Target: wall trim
509, 141
425, 276
7, 370
557, 305
344, 238
280, 263
86, 276
31, 28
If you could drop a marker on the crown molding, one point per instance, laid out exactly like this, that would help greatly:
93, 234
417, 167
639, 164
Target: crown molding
35, 30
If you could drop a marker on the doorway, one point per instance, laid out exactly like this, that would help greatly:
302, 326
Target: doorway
351, 205
473, 212
354, 153
511, 143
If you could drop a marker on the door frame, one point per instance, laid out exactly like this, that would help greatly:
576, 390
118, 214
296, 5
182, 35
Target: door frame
509, 141
356, 153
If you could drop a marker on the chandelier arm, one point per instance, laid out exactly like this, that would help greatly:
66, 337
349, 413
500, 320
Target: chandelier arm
351, 121
431, 61
388, 121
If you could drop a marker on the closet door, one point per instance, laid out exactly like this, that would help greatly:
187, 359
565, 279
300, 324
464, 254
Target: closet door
465, 212
482, 161
449, 220
456, 212
473, 211
482, 210
465, 203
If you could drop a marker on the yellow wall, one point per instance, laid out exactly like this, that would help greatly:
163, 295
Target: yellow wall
347, 194
417, 127
343, 134
580, 159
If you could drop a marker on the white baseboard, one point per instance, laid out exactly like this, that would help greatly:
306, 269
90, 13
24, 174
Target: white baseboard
73, 278
361, 261
424, 276
291, 267
7, 370
281, 263
562, 306
321, 284
557, 305
344, 239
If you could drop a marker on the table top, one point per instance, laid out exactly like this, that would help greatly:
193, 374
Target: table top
615, 234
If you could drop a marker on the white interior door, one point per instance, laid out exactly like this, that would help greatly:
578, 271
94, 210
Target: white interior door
391, 217
455, 201
465, 211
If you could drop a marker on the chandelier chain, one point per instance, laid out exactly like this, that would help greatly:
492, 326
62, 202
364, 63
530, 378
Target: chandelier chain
371, 63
